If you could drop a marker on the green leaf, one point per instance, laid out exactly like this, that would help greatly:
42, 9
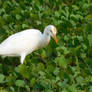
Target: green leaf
80, 79
32, 82
18, 17
2, 77
24, 26
48, 90
90, 89
42, 73
17, 69
72, 88
38, 22
59, 84
43, 54
61, 61
0, 2
40, 66
50, 67
27, 88
64, 90
2, 90
90, 39
2, 22
10, 79
20, 83
56, 71
57, 14
24, 71
12, 89
75, 7
88, 27
85, 6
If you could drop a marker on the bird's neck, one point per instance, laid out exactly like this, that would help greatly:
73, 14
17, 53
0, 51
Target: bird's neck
45, 40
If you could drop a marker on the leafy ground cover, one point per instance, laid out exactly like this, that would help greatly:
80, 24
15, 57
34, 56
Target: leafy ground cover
62, 67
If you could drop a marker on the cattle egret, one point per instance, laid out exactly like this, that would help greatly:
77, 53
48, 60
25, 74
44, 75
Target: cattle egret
25, 42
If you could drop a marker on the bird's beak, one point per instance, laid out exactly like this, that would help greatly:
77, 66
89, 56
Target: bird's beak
55, 38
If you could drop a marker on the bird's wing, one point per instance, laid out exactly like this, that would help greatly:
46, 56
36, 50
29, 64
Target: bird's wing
27, 40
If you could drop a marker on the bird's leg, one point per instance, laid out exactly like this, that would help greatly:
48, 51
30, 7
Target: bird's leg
22, 58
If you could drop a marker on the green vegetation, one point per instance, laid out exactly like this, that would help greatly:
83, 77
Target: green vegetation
62, 67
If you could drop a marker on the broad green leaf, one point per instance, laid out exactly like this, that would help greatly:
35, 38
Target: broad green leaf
2, 77
2, 22
42, 73
59, 84
12, 89
24, 26
18, 17
0, 2
38, 22
50, 67
27, 88
75, 7
89, 17
85, 6
40, 66
88, 27
64, 90
90, 89
2, 90
56, 71
43, 54
72, 88
90, 39
80, 79
20, 83
24, 71
32, 82
48, 90
57, 14
61, 61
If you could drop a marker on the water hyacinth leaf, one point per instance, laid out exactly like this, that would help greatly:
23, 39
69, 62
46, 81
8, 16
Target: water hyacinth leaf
89, 17
2, 90
20, 83
64, 90
90, 89
2, 77
90, 39
40, 66
24, 26
89, 27
75, 7
32, 82
56, 71
48, 90
12, 89
18, 17
61, 61
90, 7
0, 2
43, 54
24, 71
72, 88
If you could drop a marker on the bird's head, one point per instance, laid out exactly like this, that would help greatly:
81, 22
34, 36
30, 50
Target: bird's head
51, 31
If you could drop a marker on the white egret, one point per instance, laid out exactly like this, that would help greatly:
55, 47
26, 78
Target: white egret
25, 42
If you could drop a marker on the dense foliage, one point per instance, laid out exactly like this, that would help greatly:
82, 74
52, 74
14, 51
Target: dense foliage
62, 67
